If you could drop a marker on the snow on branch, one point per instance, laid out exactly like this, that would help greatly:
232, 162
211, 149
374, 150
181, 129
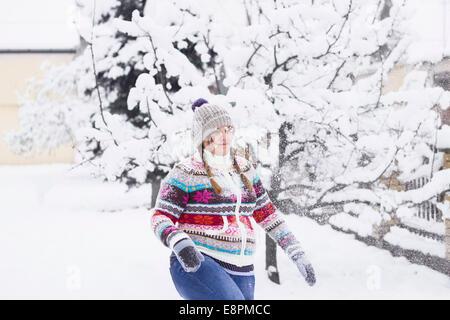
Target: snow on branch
439, 183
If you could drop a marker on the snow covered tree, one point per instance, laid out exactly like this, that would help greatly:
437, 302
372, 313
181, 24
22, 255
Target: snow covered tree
87, 94
314, 74
310, 74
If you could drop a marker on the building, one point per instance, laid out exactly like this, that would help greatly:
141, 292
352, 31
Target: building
31, 33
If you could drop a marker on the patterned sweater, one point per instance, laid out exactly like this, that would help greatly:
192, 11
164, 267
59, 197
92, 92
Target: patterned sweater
219, 225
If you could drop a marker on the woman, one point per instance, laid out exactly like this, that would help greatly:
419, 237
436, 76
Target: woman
211, 197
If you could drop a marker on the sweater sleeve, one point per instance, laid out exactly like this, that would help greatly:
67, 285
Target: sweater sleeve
271, 219
171, 201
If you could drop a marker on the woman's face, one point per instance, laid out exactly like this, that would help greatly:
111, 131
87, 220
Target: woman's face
219, 142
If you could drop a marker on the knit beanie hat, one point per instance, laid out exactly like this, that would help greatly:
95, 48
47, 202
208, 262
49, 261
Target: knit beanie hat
207, 119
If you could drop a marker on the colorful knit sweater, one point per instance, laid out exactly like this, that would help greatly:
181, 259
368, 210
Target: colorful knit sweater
219, 225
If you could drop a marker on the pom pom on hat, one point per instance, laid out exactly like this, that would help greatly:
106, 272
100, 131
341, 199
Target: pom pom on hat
197, 103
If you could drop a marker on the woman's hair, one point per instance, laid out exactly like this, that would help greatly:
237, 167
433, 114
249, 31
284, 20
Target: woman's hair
215, 185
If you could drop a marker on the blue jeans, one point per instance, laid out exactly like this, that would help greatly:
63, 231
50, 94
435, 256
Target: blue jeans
211, 282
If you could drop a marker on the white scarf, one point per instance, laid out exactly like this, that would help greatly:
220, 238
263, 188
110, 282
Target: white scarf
224, 177
222, 163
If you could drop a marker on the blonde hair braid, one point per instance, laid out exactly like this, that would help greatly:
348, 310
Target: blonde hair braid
244, 178
215, 185
217, 188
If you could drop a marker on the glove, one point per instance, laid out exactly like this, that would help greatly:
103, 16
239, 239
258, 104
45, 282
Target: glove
305, 267
188, 255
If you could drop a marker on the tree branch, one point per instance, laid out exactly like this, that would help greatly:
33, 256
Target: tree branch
91, 46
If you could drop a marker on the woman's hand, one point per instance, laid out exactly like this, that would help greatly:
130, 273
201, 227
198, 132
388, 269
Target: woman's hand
188, 255
305, 267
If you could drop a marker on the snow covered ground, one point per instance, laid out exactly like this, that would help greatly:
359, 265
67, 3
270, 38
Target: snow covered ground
66, 235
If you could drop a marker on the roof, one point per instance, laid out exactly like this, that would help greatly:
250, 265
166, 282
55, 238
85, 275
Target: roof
42, 26
430, 30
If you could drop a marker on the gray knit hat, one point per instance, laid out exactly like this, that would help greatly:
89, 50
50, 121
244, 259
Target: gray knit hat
207, 118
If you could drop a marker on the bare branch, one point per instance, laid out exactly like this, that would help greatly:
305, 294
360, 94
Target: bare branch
346, 16
268, 77
213, 62
91, 46
336, 74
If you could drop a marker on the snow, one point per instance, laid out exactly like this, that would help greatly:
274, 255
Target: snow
440, 181
409, 240
67, 235
443, 137
408, 218
361, 221
430, 30
338, 121
43, 24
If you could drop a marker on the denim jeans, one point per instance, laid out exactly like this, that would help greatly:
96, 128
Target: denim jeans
211, 282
